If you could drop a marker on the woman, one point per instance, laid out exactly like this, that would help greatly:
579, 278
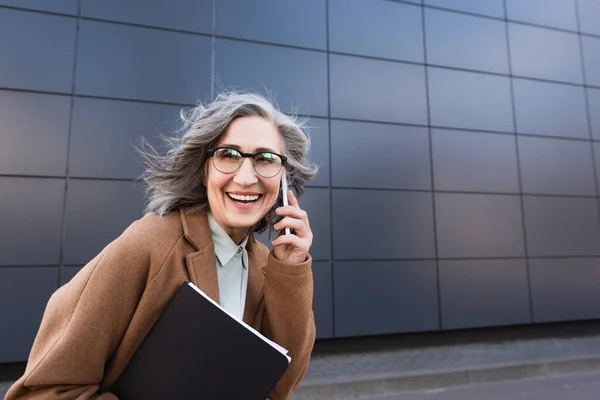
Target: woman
217, 185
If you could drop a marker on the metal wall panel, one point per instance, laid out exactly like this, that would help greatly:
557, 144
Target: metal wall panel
550, 109
40, 57
317, 130
588, 16
129, 62
486, 303
31, 215
104, 133
591, 57
382, 29
492, 8
474, 161
384, 156
468, 100
370, 224
594, 111
465, 41
295, 79
478, 225
316, 203
97, 212
556, 56
55, 6
323, 299
556, 166
186, 15
596, 148
379, 297
559, 226
565, 289
555, 13
20, 148
377, 90
24, 292
274, 21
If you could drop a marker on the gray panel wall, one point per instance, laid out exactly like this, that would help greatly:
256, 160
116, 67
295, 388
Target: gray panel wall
459, 145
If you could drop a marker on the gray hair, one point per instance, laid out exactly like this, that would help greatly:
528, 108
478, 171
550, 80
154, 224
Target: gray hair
175, 180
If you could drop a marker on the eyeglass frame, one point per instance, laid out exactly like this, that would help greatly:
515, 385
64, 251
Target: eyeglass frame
211, 154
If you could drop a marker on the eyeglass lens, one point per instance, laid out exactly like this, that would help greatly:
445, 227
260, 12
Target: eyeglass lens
229, 160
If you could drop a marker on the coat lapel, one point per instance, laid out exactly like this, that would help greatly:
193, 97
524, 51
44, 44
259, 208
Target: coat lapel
202, 268
256, 282
203, 273
201, 265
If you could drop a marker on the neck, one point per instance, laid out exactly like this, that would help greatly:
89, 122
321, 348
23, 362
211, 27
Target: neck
236, 234
237, 237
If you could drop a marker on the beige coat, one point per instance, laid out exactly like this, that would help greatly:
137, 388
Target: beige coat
93, 325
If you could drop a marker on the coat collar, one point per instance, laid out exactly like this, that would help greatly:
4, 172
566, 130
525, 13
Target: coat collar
225, 247
202, 264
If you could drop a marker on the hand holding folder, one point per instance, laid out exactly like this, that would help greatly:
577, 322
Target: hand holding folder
196, 350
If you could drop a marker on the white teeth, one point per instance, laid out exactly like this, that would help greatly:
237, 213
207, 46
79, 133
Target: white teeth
242, 197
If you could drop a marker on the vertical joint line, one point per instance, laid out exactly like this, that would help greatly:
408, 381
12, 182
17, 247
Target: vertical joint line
331, 267
588, 113
213, 49
520, 179
431, 172
69, 135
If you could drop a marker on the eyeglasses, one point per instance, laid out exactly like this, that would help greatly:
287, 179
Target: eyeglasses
228, 160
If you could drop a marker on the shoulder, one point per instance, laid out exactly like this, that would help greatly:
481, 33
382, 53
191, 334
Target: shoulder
153, 230
131, 260
147, 241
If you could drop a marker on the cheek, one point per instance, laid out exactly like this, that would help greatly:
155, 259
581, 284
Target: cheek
214, 191
214, 181
273, 189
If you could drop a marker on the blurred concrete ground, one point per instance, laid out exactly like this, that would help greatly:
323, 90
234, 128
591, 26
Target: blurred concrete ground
445, 363
571, 387
366, 367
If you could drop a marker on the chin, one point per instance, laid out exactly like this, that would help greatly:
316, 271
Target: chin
244, 223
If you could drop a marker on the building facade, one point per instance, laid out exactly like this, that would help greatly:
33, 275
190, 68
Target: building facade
458, 144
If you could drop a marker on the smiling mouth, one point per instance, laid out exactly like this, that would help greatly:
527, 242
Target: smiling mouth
244, 199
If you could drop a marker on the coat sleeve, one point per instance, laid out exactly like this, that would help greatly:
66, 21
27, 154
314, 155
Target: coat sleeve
82, 325
288, 318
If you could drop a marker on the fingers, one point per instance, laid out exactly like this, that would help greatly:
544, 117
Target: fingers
292, 248
298, 225
293, 217
292, 200
293, 212
299, 244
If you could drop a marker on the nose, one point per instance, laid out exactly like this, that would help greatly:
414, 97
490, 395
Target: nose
246, 175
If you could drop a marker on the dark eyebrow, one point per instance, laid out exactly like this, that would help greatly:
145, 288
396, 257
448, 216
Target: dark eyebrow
257, 150
265, 150
231, 146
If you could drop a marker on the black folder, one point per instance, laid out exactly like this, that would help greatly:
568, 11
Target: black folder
198, 351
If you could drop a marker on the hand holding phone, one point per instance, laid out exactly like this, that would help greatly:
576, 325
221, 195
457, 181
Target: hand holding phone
291, 248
